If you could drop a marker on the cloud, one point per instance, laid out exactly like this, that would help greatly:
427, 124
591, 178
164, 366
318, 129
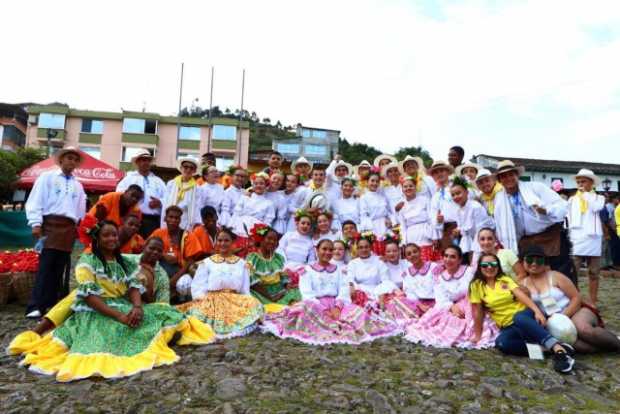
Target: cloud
498, 77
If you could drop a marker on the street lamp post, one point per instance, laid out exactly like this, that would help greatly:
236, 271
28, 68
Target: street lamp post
51, 133
606, 184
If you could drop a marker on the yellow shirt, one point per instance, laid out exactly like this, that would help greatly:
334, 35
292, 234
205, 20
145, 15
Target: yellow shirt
499, 300
617, 216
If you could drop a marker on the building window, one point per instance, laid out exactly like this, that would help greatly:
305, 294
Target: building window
189, 133
92, 126
225, 132
558, 179
94, 152
316, 150
52, 121
139, 126
525, 178
222, 164
130, 152
306, 133
288, 148
319, 134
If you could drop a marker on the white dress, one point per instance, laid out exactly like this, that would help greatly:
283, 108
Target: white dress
280, 204
232, 195
397, 271
450, 289
251, 210
586, 229
295, 201
212, 195
470, 219
374, 210
297, 249
318, 282
394, 195
189, 204
441, 201
211, 276
331, 235
346, 209
370, 275
414, 221
418, 284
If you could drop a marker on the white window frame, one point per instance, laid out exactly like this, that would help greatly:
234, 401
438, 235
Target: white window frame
87, 148
222, 163
92, 120
57, 117
234, 137
315, 154
144, 121
286, 151
191, 138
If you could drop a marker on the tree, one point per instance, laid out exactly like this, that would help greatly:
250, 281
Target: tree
356, 152
12, 163
267, 121
415, 152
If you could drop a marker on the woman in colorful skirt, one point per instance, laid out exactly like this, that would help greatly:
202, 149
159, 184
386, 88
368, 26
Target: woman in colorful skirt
326, 314
339, 257
221, 291
269, 283
450, 322
416, 293
296, 246
108, 335
368, 273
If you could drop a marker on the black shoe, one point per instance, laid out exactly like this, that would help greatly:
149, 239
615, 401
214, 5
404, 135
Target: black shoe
562, 362
569, 348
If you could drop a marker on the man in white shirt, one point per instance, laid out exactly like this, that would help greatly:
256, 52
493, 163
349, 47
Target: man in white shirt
154, 190
532, 214
56, 204
443, 211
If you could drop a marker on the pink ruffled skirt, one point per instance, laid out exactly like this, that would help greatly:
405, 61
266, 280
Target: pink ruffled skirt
314, 323
438, 327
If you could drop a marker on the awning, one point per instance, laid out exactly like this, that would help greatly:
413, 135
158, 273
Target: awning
95, 175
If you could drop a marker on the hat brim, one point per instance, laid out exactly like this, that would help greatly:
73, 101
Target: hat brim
388, 167
294, 164
459, 170
62, 152
518, 169
440, 167
596, 180
190, 160
137, 157
384, 157
417, 160
349, 167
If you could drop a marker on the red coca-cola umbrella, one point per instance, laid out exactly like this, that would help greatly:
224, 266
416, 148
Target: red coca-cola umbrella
95, 175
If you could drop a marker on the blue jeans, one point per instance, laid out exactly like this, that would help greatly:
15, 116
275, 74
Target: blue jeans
524, 329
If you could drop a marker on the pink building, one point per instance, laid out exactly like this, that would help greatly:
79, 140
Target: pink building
114, 137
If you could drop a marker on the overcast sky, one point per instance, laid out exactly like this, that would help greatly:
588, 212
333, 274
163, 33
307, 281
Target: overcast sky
537, 79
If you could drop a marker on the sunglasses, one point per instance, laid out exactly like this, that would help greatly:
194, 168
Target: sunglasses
535, 260
486, 265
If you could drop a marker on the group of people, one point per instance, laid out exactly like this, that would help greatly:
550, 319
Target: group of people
450, 256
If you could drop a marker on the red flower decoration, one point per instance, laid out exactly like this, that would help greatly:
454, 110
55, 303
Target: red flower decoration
85, 229
258, 232
293, 279
359, 298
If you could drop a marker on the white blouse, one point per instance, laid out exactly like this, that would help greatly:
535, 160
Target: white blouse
212, 195
419, 283
367, 274
374, 209
232, 195
317, 281
281, 208
346, 209
394, 195
470, 219
251, 210
212, 276
449, 289
297, 249
397, 271
414, 221
294, 202
331, 235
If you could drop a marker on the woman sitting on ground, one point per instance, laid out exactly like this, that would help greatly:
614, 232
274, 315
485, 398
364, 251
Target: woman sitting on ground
450, 321
221, 291
507, 258
326, 315
555, 293
367, 272
111, 332
269, 283
418, 282
519, 319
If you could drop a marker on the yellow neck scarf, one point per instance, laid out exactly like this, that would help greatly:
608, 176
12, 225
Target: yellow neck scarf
183, 187
489, 199
583, 203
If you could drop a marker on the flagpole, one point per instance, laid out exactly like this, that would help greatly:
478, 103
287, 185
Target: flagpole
238, 150
179, 114
209, 135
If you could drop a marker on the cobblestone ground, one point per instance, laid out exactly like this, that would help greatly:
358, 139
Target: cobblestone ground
260, 374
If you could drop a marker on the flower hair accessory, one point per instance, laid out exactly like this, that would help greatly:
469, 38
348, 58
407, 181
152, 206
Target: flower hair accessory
88, 228
231, 170
375, 170
368, 235
301, 213
261, 174
259, 231
393, 235
460, 182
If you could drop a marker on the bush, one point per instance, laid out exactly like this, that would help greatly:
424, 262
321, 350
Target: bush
11, 164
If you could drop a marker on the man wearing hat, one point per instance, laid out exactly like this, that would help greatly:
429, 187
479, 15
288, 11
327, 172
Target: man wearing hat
585, 227
443, 211
153, 187
530, 213
336, 171
392, 189
489, 187
301, 167
56, 204
183, 191
414, 167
